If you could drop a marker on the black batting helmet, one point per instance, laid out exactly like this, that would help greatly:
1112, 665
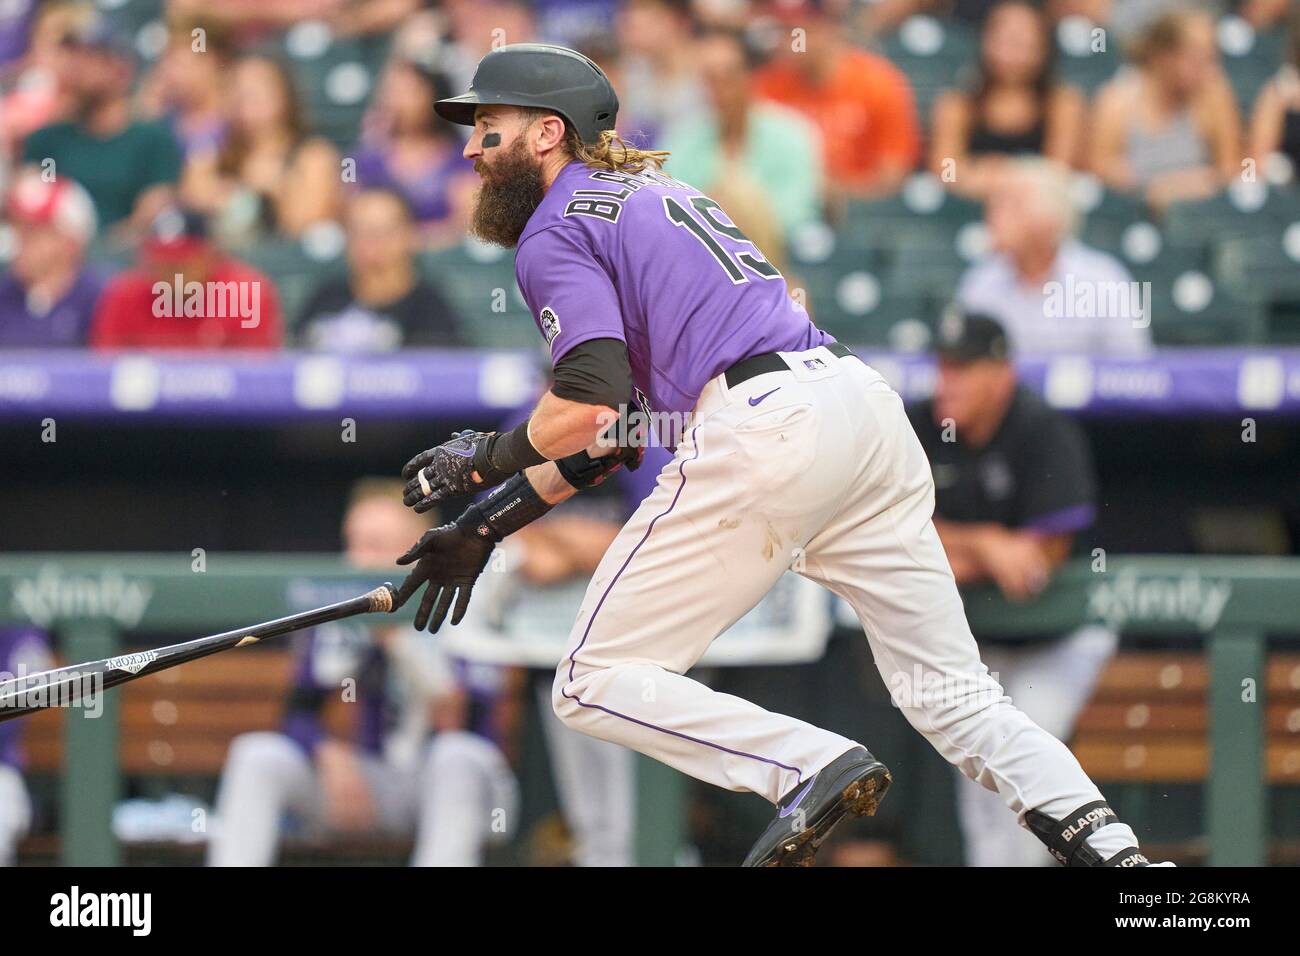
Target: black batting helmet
543, 76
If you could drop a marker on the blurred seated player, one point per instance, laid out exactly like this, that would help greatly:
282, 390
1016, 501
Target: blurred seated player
1014, 492
1012, 105
1169, 129
1275, 122
271, 175
48, 293
129, 168
185, 293
383, 303
419, 755
1051, 292
861, 102
23, 651
406, 147
775, 147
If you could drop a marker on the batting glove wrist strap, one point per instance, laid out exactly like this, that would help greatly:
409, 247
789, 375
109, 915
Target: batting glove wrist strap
505, 511
583, 471
505, 454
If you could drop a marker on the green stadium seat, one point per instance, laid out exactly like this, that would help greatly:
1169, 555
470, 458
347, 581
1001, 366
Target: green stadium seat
1266, 270
1249, 58
1086, 54
335, 77
1150, 257
1245, 209
850, 301
1108, 216
932, 53
931, 270
922, 212
297, 268
138, 22
1190, 309
479, 280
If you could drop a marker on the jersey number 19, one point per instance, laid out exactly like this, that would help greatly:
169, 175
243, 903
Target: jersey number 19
710, 228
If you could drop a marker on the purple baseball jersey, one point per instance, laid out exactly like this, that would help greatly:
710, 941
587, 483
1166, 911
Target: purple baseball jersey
653, 262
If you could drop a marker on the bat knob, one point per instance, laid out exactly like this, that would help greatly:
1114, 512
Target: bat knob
383, 598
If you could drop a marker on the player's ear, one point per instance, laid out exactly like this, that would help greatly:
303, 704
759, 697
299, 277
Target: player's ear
549, 132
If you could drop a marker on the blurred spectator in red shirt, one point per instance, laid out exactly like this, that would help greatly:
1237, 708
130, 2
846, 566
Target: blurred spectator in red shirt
272, 175
187, 294
48, 295
861, 102
408, 148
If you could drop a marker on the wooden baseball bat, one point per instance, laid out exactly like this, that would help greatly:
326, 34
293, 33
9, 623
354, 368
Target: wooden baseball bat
67, 685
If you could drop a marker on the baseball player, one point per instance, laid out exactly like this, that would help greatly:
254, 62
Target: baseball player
23, 651
789, 452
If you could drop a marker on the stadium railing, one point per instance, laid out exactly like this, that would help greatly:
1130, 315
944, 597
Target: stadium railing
90, 602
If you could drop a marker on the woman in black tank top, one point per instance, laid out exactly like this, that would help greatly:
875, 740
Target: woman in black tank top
1012, 105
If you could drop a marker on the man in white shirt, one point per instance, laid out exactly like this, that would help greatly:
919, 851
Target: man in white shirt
1052, 293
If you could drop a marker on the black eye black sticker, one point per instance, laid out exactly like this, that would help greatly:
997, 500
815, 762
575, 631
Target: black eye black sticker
491, 139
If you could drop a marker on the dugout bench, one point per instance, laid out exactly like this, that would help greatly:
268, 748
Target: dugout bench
1229, 717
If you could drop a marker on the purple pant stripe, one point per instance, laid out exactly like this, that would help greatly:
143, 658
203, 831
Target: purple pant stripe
681, 471
694, 740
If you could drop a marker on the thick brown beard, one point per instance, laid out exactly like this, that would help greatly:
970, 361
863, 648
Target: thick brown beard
507, 198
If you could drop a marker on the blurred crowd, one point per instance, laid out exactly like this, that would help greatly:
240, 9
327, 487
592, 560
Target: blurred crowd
143, 141
285, 153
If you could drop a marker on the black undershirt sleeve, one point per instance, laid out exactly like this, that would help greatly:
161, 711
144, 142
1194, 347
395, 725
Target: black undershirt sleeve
595, 372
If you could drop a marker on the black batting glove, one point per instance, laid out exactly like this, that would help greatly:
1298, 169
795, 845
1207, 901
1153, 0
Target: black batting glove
448, 470
449, 559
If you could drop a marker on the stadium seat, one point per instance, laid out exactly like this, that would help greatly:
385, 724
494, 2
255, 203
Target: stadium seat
933, 54
921, 212
1150, 257
1244, 209
296, 268
479, 280
852, 304
336, 77
1190, 309
1249, 58
1086, 56
1266, 270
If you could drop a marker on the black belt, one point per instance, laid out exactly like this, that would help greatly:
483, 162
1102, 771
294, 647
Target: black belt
746, 369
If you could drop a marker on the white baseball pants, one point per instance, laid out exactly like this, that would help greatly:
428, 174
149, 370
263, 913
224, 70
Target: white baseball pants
1051, 682
817, 469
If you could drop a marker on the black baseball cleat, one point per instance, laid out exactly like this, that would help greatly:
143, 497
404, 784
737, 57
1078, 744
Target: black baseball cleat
854, 782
